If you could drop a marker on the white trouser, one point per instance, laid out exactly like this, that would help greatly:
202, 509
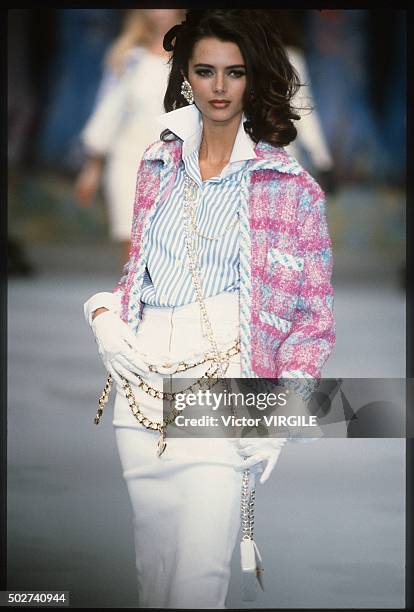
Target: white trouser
185, 503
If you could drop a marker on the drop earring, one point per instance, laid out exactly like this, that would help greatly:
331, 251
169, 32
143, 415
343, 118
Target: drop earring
187, 91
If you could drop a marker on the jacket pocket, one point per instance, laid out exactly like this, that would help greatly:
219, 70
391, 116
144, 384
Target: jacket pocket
272, 319
275, 256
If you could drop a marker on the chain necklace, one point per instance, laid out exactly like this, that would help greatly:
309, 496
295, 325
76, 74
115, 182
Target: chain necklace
190, 190
220, 361
247, 496
221, 365
189, 206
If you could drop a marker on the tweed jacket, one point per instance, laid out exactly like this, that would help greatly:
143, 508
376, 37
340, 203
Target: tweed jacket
287, 328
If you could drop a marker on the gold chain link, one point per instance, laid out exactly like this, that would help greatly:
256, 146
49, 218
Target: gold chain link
220, 360
156, 393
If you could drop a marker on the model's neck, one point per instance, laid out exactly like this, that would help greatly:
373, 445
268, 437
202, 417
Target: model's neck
218, 140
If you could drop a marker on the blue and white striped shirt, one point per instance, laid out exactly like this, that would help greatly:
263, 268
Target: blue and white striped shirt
167, 279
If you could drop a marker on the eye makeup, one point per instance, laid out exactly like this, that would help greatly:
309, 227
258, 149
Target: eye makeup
205, 70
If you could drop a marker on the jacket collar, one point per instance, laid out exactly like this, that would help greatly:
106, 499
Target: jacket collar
186, 123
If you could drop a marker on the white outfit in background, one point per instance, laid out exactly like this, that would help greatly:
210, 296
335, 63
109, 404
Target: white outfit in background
310, 134
121, 126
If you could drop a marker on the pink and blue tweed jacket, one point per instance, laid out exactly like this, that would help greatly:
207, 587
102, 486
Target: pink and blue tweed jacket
287, 328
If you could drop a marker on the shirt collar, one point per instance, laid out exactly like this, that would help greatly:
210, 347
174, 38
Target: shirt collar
187, 124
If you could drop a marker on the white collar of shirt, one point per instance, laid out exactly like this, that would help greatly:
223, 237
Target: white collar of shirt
187, 124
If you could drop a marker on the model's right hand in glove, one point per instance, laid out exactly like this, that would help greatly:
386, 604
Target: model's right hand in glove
117, 346
261, 454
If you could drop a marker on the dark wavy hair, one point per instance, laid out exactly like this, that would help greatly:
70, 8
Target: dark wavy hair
271, 80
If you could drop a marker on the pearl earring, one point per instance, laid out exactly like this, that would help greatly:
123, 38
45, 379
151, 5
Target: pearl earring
187, 91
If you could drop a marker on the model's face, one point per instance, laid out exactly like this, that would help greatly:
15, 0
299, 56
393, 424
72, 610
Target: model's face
216, 71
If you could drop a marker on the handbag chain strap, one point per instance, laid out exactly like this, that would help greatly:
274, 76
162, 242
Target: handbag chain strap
248, 495
247, 508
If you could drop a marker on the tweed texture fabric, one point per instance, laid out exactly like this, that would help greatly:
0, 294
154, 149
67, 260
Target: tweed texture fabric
287, 327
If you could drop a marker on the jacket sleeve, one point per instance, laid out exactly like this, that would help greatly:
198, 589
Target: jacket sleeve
119, 288
142, 185
117, 299
112, 300
312, 335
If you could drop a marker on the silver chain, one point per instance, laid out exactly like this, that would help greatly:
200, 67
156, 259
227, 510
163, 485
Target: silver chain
247, 508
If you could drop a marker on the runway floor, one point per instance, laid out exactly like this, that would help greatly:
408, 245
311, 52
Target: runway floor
329, 522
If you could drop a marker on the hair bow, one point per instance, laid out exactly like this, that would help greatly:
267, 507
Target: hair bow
170, 35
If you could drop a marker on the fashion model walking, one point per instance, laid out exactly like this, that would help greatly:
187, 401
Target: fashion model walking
228, 274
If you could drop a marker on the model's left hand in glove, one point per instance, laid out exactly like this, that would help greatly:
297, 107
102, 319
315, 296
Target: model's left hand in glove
259, 451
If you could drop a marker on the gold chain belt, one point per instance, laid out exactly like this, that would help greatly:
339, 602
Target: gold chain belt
156, 393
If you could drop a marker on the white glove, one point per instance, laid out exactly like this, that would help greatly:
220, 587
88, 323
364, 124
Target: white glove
118, 347
103, 299
259, 451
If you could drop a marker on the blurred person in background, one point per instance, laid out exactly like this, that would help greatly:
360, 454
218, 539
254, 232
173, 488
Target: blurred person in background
73, 76
229, 275
122, 123
337, 44
310, 136
310, 147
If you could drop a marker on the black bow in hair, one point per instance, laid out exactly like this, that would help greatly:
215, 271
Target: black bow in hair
170, 35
